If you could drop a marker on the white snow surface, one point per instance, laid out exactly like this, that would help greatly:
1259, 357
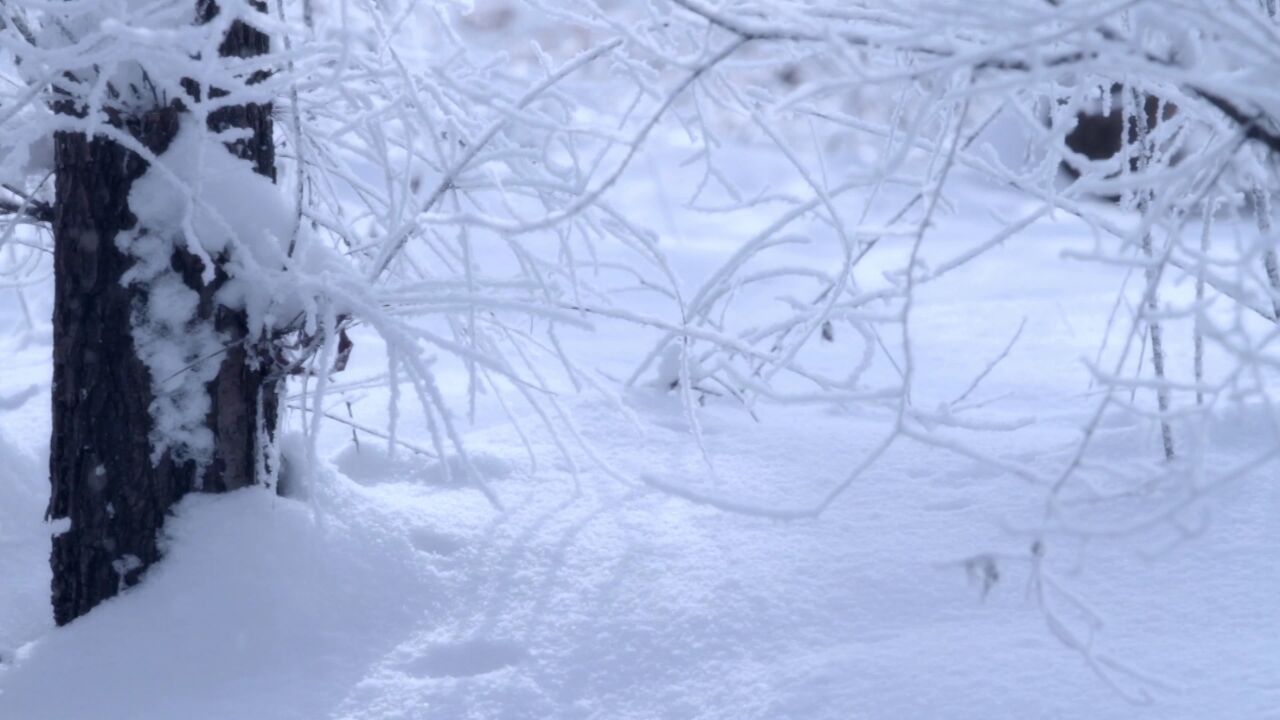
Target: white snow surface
392, 593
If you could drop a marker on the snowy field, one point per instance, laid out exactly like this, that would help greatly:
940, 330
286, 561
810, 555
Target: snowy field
655, 582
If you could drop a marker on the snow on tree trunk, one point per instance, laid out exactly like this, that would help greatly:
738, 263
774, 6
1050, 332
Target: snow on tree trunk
108, 477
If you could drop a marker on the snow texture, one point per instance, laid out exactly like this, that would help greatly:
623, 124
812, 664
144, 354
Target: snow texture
198, 197
793, 388
213, 198
395, 592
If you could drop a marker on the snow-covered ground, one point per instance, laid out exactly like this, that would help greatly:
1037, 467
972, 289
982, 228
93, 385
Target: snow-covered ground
391, 592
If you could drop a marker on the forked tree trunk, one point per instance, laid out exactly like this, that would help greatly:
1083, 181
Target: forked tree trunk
103, 477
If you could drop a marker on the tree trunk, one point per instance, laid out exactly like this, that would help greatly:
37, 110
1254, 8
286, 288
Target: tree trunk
101, 469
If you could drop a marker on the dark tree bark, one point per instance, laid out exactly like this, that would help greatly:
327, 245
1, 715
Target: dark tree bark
101, 470
1098, 137
100, 459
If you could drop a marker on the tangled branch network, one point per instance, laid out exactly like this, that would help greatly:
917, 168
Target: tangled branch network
454, 194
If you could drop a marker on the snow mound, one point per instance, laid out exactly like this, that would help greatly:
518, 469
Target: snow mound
258, 611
